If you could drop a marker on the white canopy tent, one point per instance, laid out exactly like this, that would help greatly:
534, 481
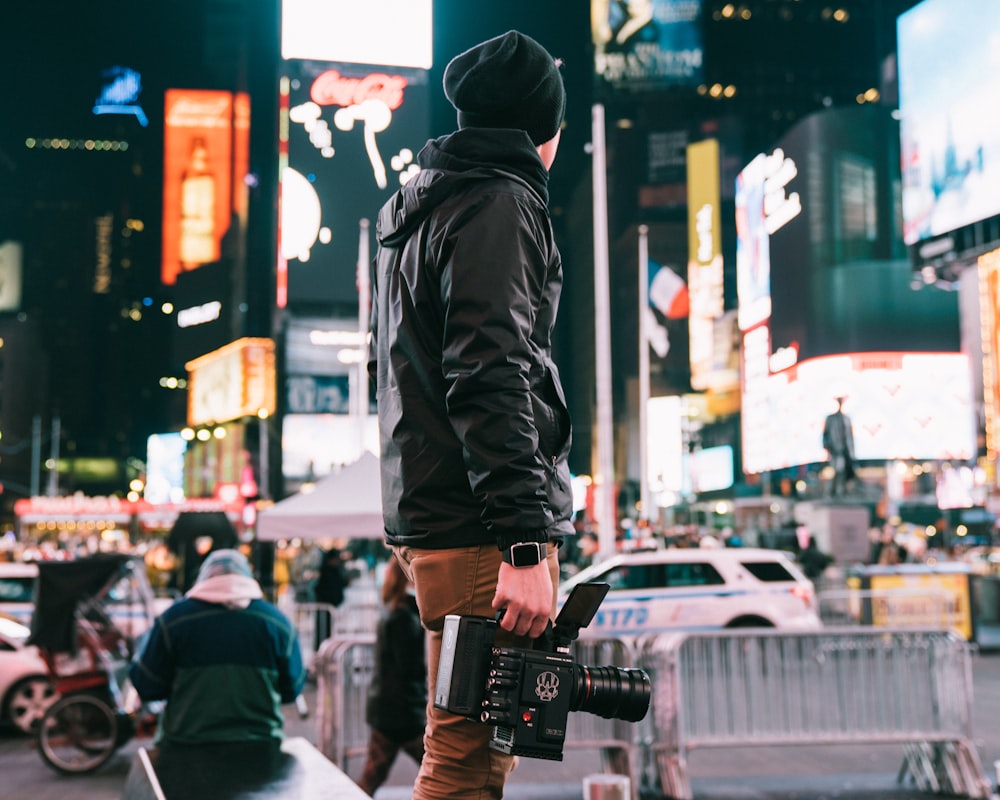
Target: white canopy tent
344, 504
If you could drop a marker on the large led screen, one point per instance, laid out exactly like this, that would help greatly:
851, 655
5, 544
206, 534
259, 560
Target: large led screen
387, 32
647, 43
325, 361
711, 468
710, 354
949, 101
350, 139
165, 468
206, 140
313, 445
901, 405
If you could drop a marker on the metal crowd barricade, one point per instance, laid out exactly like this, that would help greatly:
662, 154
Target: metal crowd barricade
344, 666
333, 621
836, 686
615, 739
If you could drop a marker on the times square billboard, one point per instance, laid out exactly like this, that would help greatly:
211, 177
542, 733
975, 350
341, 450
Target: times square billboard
949, 86
827, 309
647, 45
206, 156
349, 137
354, 113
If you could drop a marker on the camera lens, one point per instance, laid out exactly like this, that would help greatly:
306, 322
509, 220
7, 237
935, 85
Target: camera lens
611, 692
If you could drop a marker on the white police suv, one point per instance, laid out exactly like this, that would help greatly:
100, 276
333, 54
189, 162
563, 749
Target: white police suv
697, 589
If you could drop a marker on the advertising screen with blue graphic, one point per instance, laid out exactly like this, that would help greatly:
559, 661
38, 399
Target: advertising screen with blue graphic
949, 93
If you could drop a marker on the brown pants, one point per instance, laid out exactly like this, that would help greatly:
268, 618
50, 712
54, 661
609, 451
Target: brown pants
458, 762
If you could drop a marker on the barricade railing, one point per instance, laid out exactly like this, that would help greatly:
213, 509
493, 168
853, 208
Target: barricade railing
317, 622
738, 688
615, 739
837, 686
344, 666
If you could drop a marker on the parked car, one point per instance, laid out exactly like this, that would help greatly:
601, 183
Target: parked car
695, 589
17, 586
25, 689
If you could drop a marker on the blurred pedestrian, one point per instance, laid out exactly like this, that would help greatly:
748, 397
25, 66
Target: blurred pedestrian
813, 560
589, 546
224, 659
397, 698
331, 584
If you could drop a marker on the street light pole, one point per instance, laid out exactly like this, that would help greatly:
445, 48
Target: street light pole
36, 454
364, 304
604, 480
264, 454
53, 485
645, 501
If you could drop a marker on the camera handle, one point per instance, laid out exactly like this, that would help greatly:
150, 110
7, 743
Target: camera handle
577, 612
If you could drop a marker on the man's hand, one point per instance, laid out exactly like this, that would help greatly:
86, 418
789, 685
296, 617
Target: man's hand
526, 594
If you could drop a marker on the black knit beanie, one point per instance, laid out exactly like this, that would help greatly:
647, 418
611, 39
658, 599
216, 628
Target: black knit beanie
507, 82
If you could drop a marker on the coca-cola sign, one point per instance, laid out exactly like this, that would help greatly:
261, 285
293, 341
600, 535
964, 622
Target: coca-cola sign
333, 89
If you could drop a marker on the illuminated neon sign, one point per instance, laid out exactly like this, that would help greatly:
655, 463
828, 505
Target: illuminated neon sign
369, 100
120, 94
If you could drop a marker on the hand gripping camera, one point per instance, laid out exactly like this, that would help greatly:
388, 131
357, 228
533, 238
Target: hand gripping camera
528, 694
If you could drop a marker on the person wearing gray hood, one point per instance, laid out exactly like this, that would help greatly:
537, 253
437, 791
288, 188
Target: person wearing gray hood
475, 431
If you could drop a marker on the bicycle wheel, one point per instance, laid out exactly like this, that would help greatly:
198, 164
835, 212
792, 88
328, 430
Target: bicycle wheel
78, 734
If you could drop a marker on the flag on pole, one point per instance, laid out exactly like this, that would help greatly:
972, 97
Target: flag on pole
668, 293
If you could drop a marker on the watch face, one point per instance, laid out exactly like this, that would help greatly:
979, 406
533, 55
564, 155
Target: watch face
524, 555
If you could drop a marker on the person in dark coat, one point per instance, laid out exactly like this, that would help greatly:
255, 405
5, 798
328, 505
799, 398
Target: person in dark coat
476, 432
813, 560
331, 583
397, 698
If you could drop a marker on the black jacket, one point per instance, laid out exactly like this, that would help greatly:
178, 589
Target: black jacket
474, 427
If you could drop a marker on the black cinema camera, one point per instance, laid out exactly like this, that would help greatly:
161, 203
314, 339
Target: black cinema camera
528, 694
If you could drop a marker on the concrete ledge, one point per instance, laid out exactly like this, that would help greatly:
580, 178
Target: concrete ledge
297, 772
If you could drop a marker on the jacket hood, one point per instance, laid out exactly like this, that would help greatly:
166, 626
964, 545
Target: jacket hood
451, 165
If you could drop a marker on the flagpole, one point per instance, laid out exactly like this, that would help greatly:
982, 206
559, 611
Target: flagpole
604, 480
361, 394
645, 501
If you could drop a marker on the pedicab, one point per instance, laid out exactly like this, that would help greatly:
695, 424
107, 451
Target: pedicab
88, 616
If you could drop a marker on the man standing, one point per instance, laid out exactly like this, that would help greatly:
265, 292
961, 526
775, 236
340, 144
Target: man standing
838, 439
474, 427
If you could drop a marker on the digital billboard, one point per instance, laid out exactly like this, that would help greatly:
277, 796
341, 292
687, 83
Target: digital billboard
644, 44
206, 141
902, 406
165, 468
11, 272
394, 33
826, 304
711, 468
323, 359
712, 356
989, 311
232, 382
349, 139
314, 445
949, 92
